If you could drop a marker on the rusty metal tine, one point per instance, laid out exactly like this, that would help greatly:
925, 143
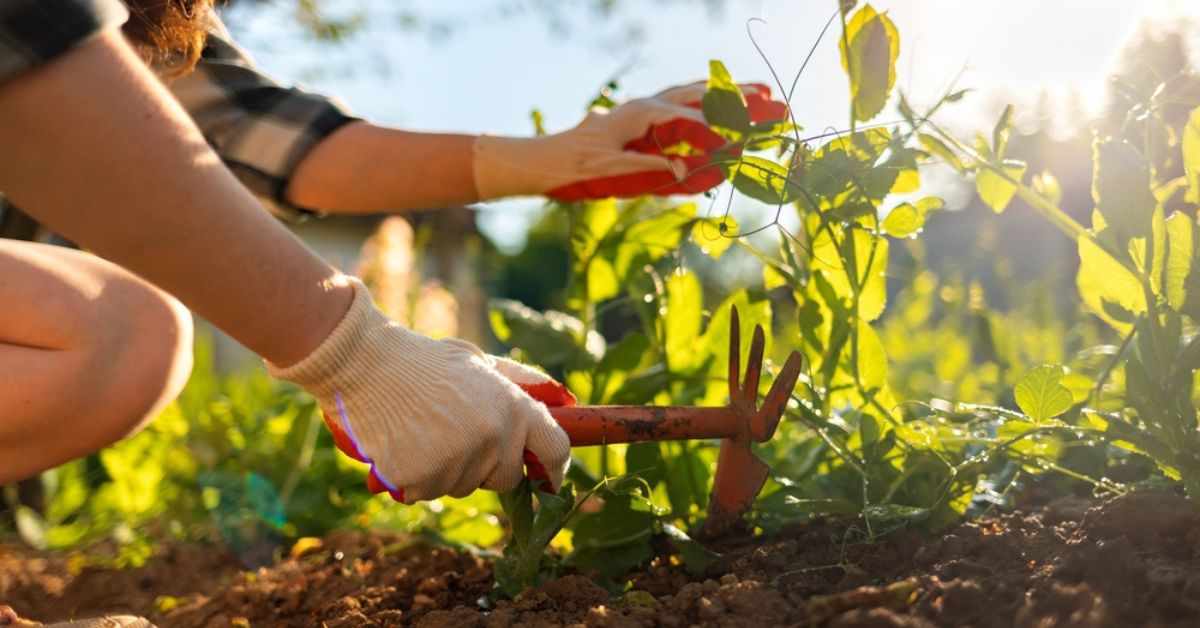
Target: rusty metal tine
740, 474
735, 354
739, 477
754, 367
777, 398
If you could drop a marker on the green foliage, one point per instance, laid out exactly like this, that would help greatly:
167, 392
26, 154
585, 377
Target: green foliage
997, 187
1191, 155
870, 45
1137, 274
1121, 189
907, 219
1041, 394
723, 105
532, 530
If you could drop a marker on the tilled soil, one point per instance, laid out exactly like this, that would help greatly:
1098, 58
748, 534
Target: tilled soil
1132, 561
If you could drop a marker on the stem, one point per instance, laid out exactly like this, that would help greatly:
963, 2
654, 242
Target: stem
303, 460
1112, 364
814, 424
1156, 333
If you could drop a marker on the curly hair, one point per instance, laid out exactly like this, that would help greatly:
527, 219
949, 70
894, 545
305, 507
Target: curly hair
170, 34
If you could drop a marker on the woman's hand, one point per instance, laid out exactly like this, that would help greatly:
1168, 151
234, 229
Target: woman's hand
432, 417
658, 145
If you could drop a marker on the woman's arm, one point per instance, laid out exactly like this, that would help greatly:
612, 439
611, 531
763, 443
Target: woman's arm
95, 148
363, 167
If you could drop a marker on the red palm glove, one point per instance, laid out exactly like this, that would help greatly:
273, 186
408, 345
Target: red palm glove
535, 383
625, 152
701, 173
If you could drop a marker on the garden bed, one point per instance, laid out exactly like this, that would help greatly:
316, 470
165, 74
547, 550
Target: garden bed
1134, 560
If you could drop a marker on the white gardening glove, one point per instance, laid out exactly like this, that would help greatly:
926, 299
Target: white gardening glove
627, 151
432, 417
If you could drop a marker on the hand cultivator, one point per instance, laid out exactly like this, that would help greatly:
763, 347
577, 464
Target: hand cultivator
740, 474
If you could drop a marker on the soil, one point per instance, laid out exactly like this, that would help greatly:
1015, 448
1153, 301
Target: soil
1131, 561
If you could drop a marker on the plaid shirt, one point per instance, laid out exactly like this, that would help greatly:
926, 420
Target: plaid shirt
260, 128
35, 31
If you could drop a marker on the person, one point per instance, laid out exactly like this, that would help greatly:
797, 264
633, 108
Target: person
93, 345
97, 150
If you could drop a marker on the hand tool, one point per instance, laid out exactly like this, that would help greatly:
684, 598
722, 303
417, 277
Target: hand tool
740, 474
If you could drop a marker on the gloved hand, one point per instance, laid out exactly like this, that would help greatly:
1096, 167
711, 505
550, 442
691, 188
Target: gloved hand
622, 152
431, 417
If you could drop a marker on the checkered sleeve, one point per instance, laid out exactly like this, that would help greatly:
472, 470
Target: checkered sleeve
261, 129
33, 32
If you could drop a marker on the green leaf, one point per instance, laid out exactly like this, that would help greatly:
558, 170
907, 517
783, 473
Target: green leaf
1106, 284
650, 239
1151, 403
616, 538
848, 164
593, 222
870, 60
957, 96
714, 236
645, 460
907, 219
688, 474
602, 280
723, 105
518, 507
548, 338
1191, 155
1041, 394
872, 359
937, 148
857, 258
614, 368
995, 190
1121, 189
1180, 252
685, 304
773, 277
763, 180
696, 558
751, 312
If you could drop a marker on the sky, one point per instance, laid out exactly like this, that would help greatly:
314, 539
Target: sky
497, 64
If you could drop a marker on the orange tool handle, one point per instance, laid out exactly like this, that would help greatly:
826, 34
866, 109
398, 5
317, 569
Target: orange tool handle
601, 425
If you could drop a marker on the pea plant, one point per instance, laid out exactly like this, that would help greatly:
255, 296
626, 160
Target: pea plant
1137, 274
851, 446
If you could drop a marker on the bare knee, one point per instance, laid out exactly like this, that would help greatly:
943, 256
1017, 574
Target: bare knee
145, 357
89, 354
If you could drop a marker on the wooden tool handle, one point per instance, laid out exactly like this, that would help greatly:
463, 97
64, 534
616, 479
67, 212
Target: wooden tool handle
600, 425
